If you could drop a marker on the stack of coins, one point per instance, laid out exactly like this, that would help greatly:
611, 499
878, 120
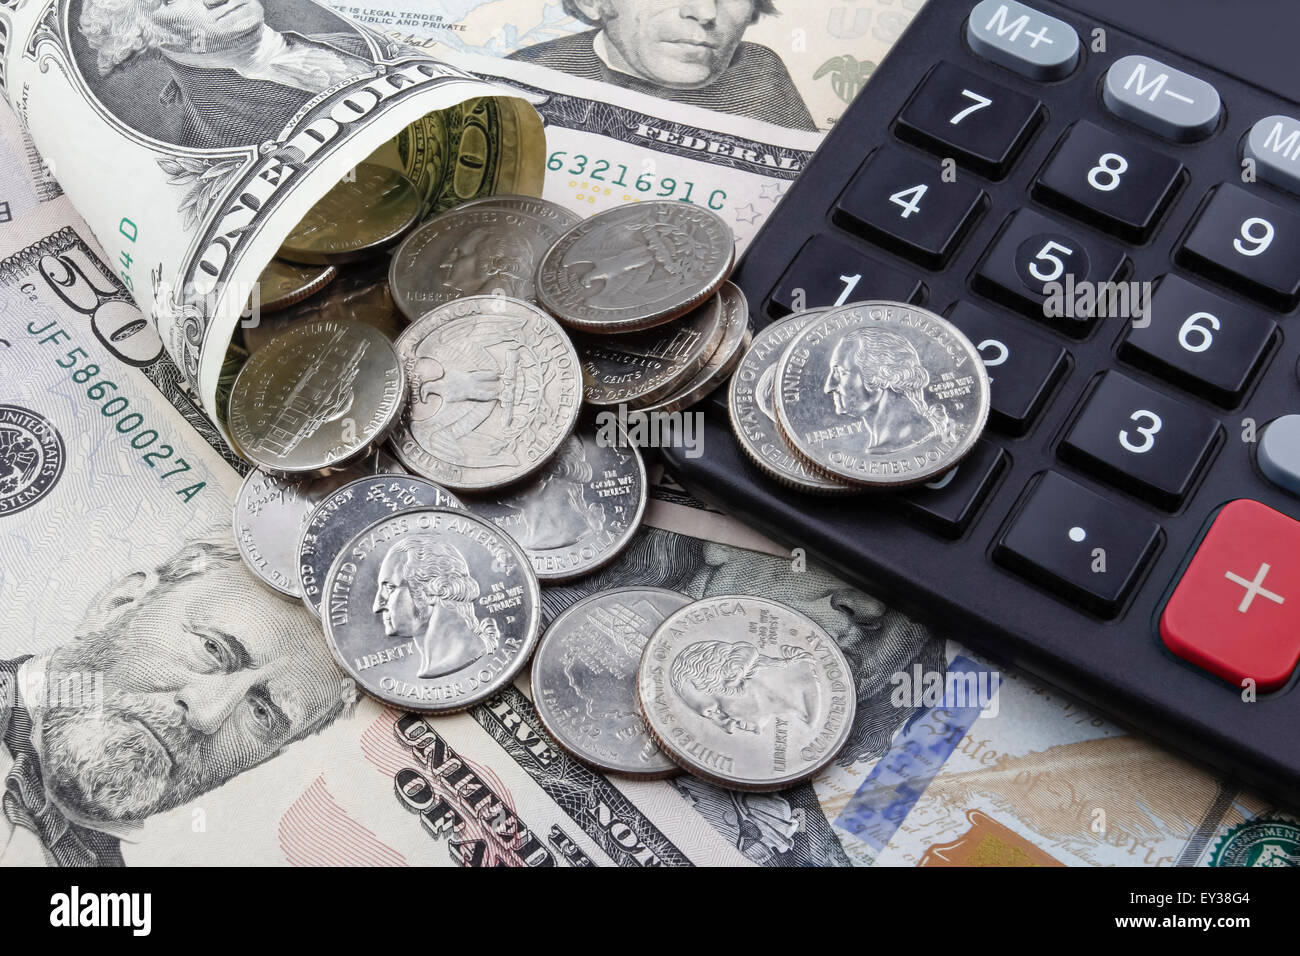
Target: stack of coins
420, 401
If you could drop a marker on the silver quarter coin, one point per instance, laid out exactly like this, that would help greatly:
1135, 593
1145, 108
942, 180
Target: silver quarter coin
479, 249
580, 510
270, 514
281, 284
316, 397
723, 361
431, 609
554, 213
635, 266
584, 679
645, 367
751, 404
495, 388
881, 394
359, 218
350, 509
746, 692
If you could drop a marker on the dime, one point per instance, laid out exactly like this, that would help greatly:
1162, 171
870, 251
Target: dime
494, 389
723, 361
580, 510
648, 366
552, 212
315, 397
270, 513
750, 403
350, 509
584, 679
359, 218
635, 266
479, 249
284, 283
356, 296
881, 394
746, 692
431, 609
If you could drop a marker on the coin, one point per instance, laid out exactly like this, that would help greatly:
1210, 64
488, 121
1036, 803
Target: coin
356, 296
431, 609
315, 397
359, 218
481, 249
750, 404
283, 283
270, 513
580, 510
647, 366
349, 509
746, 692
553, 213
723, 361
635, 266
881, 394
584, 679
494, 389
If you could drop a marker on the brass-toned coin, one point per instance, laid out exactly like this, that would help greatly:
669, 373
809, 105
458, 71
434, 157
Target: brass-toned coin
315, 398
648, 366
723, 361
282, 283
363, 215
635, 266
474, 249
360, 295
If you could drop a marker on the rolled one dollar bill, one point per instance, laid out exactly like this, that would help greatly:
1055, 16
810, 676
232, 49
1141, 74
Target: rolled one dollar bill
193, 135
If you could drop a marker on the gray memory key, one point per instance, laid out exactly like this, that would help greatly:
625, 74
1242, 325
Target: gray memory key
1168, 102
1279, 452
1274, 145
1022, 39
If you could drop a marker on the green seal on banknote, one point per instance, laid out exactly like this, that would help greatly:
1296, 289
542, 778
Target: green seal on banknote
1269, 842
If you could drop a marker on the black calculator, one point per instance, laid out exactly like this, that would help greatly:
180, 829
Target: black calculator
1104, 195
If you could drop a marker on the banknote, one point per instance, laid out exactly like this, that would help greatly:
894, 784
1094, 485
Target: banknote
797, 65
192, 142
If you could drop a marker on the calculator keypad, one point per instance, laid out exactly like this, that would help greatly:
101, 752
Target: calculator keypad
1110, 181
983, 124
1249, 243
1035, 258
947, 504
901, 202
1141, 440
1023, 368
1074, 542
1200, 341
828, 271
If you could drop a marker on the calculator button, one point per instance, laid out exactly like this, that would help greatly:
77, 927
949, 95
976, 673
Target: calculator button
1023, 368
902, 203
1168, 102
948, 503
1236, 609
1199, 340
1279, 452
1274, 144
1245, 241
1034, 257
1077, 543
982, 124
1140, 440
1108, 180
827, 271
1022, 39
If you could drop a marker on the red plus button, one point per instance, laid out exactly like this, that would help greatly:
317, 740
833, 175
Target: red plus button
1236, 611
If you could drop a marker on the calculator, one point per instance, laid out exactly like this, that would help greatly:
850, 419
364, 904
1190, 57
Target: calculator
1104, 196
